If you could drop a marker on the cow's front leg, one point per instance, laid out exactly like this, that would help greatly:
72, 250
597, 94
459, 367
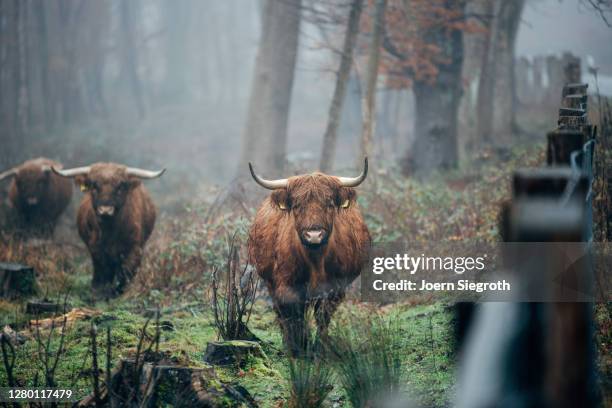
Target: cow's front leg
103, 275
129, 266
324, 308
290, 308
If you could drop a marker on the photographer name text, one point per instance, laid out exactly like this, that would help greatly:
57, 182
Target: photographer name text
424, 285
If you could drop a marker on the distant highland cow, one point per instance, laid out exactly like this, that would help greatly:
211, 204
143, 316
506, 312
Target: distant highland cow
115, 219
38, 196
308, 243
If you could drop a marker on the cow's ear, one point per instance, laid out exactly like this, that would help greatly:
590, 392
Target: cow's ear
280, 198
82, 182
346, 197
133, 182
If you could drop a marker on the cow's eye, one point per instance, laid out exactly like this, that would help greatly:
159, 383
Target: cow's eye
282, 206
345, 204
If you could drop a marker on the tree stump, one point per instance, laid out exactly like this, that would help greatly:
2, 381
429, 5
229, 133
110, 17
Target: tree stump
16, 280
232, 352
36, 307
172, 385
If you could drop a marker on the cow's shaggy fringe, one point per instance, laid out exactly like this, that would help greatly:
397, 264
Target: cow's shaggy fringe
368, 359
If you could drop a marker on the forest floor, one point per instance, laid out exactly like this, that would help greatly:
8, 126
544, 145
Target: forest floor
190, 242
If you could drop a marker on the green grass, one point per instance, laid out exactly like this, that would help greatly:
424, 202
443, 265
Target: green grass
427, 366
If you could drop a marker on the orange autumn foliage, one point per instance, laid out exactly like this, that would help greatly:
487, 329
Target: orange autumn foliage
415, 29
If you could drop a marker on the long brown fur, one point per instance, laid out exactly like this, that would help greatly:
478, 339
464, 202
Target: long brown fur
116, 246
297, 276
52, 192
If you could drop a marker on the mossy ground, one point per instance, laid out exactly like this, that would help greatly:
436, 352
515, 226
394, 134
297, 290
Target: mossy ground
429, 360
188, 243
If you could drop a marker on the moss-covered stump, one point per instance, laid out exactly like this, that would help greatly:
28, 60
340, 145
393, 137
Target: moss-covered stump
16, 280
232, 352
170, 385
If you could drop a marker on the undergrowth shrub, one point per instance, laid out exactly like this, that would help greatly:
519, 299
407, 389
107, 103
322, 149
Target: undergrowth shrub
54, 264
368, 358
233, 296
459, 205
185, 251
309, 382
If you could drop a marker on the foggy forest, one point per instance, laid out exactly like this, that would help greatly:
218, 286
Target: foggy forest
191, 192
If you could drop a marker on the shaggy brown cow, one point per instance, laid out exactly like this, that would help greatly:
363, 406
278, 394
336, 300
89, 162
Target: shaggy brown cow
308, 242
38, 195
115, 219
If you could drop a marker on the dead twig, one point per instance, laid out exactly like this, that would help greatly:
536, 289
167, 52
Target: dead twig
95, 373
8, 358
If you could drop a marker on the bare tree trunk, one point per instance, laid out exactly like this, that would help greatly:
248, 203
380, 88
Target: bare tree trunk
130, 56
436, 107
486, 84
22, 102
330, 138
265, 134
369, 102
474, 51
43, 47
505, 81
8, 86
176, 17
70, 97
497, 90
91, 54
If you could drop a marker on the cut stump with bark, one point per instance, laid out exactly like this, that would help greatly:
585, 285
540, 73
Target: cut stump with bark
36, 307
16, 280
170, 385
232, 352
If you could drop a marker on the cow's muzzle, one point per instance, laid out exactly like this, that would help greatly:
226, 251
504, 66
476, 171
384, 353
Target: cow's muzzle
106, 211
314, 237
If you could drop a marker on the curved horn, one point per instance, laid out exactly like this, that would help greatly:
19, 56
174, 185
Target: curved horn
144, 174
355, 181
8, 173
269, 184
77, 171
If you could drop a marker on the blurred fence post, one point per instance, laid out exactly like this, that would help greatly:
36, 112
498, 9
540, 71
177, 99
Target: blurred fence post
543, 354
571, 377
